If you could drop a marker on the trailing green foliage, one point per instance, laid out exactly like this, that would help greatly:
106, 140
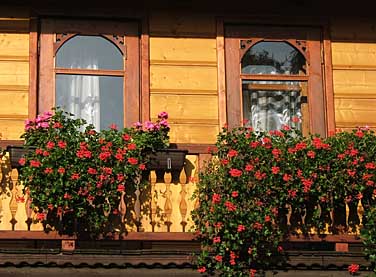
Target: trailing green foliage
77, 176
256, 178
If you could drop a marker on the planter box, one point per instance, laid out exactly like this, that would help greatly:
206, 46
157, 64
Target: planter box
16, 153
167, 159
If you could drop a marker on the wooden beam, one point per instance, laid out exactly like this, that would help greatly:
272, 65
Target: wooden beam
221, 73
33, 68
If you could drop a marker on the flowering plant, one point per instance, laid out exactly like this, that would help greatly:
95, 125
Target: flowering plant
77, 173
256, 179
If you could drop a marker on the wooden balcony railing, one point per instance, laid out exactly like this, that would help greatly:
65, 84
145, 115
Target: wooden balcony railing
160, 213
163, 211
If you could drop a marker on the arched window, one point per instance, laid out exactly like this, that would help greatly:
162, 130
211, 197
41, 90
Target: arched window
274, 78
86, 67
270, 104
92, 97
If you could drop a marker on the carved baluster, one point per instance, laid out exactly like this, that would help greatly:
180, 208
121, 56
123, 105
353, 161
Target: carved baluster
183, 203
137, 204
168, 205
319, 214
289, 213
13, 205
347, 208
28, 209
122, 208
303, 214
153, 200
360, 211
107, 213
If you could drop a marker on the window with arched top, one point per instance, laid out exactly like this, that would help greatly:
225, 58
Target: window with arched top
274, 78
87, 69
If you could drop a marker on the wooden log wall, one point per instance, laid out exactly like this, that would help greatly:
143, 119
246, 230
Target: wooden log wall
354, 72
183, 75
14, 76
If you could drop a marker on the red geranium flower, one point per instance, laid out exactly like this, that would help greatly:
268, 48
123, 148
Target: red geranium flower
132, 161
353, 268
235, 172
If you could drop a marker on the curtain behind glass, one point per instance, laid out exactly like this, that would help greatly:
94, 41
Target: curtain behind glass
270, 109
86, 95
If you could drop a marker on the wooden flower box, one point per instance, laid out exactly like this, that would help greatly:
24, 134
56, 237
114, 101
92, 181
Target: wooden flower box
16, 153
167, 159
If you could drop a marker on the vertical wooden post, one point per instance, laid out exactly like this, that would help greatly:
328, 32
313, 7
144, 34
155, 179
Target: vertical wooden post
153, 199
13, 205
168, 205
183, 203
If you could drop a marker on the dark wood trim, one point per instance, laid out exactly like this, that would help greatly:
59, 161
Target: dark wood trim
5, 143
193, 148
280, 87
46, 96
80, 71
233, 82
271, 77
165, 236
33, 68
132, 77
221, 72
328, 76
316, 93
140, 236
145, 70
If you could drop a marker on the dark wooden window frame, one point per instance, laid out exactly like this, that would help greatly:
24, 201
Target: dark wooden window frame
229, 81
124, 35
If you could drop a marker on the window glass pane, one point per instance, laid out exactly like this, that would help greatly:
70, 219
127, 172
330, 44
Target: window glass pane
272, 57
97, 99
89, 52
267, 105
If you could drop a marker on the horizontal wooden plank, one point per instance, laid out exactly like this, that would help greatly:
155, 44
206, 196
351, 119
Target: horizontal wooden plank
165, 236
14, 88
183, 63
12, 73
186, 50
354, 83
13, 103
183, 77
11, 129
14, 45
350, 118
202, 107
5, 143
182, 25
354, 55
182, 91
193, 133
353, 29
352, 113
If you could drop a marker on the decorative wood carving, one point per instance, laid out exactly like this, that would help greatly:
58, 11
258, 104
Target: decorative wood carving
168, 204
360, 211
301, 45
289, 213
13, 205
183, 203
153, 199
61, 38
122, 208
137, 204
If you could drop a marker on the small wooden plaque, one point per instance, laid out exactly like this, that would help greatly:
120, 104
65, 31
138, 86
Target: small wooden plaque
68, 245
342, 247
